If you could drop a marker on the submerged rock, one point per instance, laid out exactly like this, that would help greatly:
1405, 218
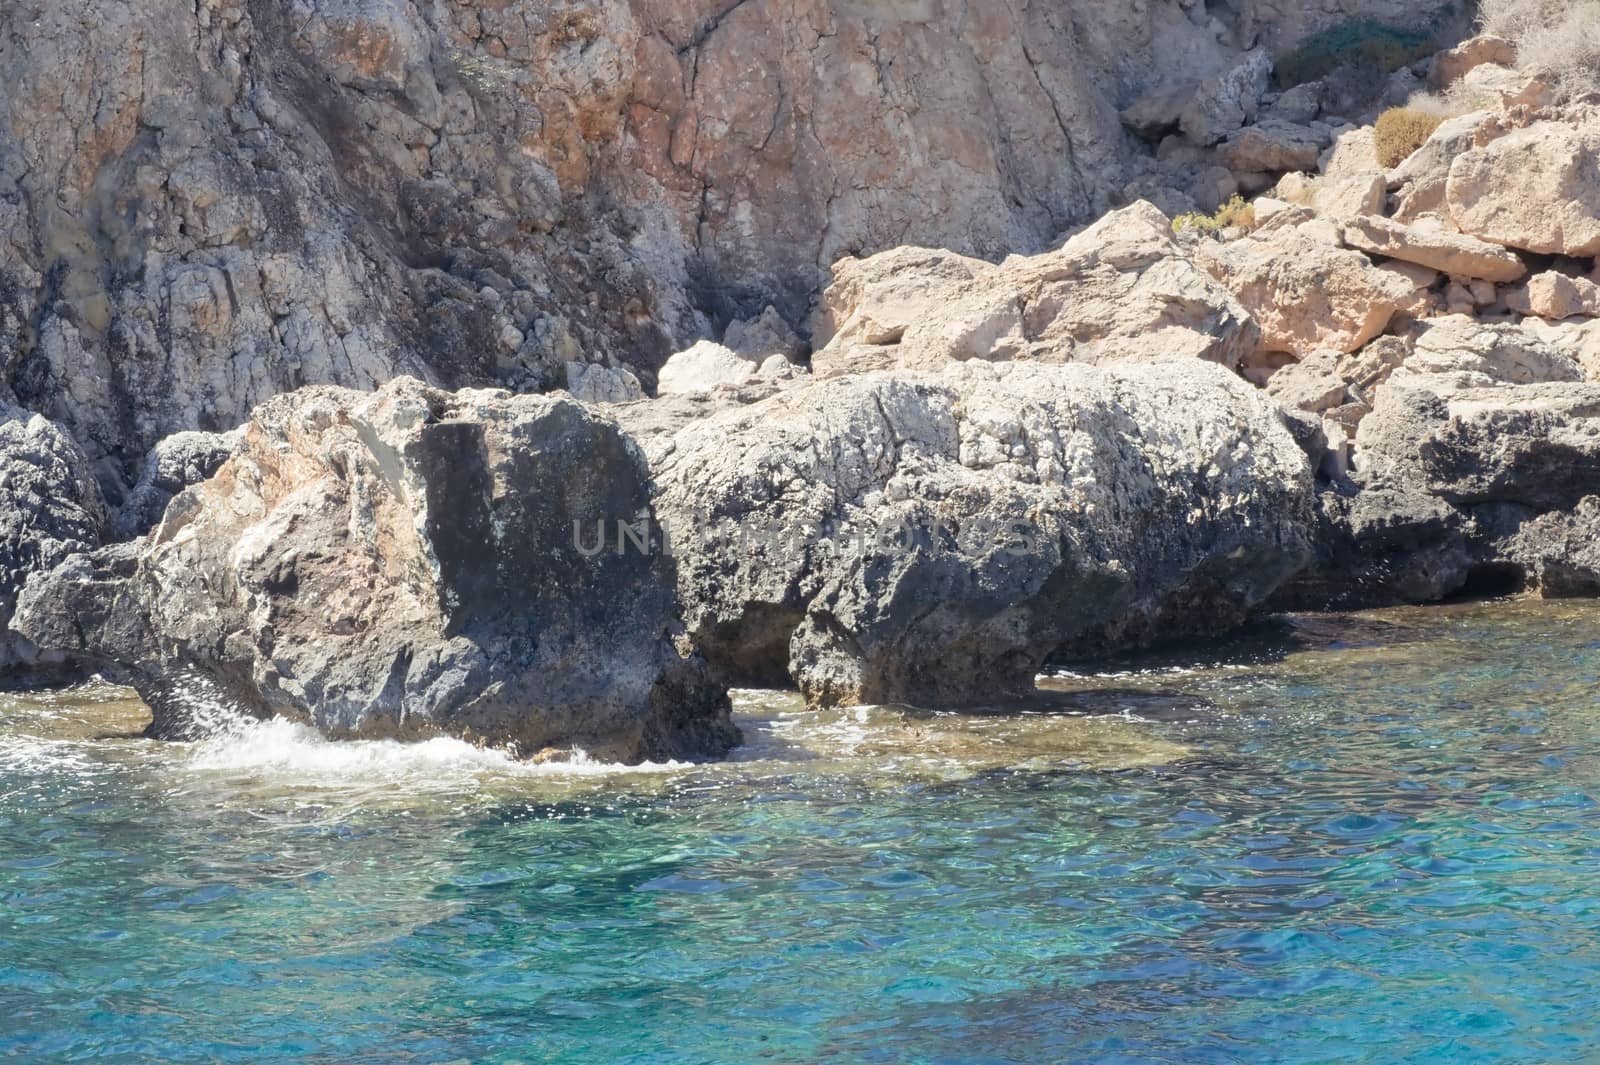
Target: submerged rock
932, 538
406, 563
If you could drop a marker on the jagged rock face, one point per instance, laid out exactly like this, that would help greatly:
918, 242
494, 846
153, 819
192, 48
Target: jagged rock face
932, 538
407, 563
50, 508
202, 205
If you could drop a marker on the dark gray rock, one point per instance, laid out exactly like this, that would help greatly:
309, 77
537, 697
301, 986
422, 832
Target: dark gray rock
403, 564
50, 508
179, 461
933, 538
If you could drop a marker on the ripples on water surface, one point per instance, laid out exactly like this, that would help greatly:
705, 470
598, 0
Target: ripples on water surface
1382, 846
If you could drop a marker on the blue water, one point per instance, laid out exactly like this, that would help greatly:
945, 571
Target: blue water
1377, 842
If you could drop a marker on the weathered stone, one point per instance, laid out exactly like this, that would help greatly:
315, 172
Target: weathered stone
1555, 296
1449, 253
1121, 289
1274, 147
1306, 294
1224, 103
50, 508
1452, 64
179, 461
704, 367
1536, 189
406, 563
592, 383
932, 538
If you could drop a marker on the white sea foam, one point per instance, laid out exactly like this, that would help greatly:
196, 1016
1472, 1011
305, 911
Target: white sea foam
291, 753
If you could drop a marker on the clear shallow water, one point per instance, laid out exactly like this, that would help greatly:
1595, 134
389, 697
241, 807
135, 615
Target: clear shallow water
1376, 842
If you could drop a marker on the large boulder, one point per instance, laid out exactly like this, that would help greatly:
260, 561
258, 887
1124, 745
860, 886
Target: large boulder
1306, 293
1274, 146
1458, 351
1556, 296
406, 563
704, 367
50, 508
1535, 446
1123, 289
1536, 189
1434, 247
1226, 101
933, 538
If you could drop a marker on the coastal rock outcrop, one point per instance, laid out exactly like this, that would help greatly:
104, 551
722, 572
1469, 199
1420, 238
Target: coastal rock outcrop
1307, 293
934, 537
406, 563
1536, 189
50, 508
1121, 290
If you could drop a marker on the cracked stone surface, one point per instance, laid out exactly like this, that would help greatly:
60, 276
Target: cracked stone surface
931, 538
204, 204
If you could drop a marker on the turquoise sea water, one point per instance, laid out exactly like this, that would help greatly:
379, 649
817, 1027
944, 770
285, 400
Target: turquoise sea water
1375, 842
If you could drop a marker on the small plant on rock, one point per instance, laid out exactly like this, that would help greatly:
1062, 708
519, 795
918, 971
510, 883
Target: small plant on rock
1235, 213
1401, 131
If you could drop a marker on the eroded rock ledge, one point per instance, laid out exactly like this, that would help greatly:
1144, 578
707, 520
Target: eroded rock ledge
404, 564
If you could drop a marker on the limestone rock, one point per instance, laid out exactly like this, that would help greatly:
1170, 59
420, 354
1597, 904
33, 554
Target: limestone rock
1274, 147
704, 367
1307, 294
1224, 103
1536, 189
50, 508
1459, 352
1449, 253
592, 383
1121, 289
1313, 384
179, 461
1555, 296
406, 563
931, 538
1453, 64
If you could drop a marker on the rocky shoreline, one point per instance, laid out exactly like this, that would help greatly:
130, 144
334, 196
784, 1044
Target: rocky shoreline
1382, 386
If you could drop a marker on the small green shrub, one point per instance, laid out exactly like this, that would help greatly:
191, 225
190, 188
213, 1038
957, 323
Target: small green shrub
1236, 212
1361, 42
1401, 131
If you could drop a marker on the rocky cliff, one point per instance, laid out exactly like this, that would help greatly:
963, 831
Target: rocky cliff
207, 202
